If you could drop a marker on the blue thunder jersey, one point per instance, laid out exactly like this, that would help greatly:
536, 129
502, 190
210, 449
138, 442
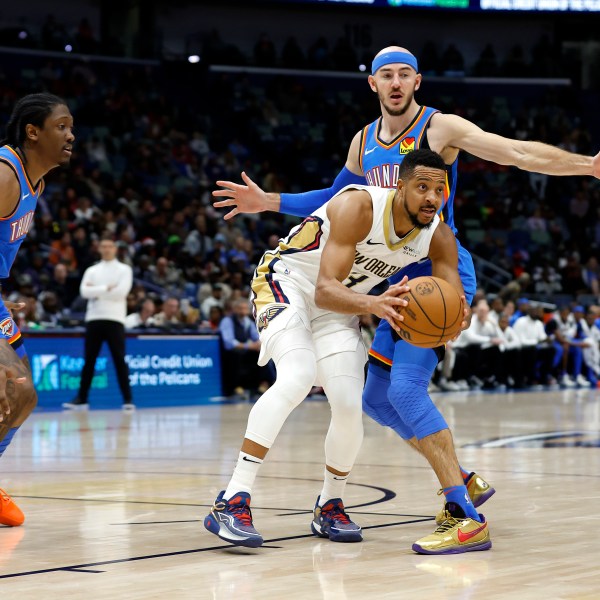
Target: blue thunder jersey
14, 227
380, 163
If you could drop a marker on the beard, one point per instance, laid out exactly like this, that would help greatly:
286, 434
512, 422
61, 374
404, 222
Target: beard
414, 219
399, 111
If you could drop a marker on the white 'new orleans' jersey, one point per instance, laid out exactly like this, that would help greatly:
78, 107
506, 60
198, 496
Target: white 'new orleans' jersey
377, 257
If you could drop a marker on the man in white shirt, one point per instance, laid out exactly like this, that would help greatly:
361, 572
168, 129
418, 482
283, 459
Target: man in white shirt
538, 350
105, 285
479, 352
511, 346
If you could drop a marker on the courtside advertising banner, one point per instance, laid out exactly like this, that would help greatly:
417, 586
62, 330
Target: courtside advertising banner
163, 370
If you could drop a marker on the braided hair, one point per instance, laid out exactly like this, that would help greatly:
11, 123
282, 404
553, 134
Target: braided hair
32, 109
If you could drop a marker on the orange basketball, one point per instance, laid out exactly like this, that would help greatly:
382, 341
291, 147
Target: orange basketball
434, 313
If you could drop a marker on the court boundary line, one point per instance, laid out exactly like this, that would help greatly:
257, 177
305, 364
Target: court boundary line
86, 567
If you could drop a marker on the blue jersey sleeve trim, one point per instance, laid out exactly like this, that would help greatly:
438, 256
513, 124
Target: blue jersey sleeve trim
301, 205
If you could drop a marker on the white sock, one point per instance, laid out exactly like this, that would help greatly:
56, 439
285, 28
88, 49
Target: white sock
333, 487
243, 476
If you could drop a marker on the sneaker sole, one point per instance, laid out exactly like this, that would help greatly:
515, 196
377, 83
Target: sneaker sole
210, 523
455, 549
350, 536
484, 497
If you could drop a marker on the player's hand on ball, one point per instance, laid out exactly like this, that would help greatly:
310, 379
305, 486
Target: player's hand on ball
387, 304
247, 198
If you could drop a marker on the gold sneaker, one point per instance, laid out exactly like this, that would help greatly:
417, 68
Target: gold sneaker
480, 491
455, 536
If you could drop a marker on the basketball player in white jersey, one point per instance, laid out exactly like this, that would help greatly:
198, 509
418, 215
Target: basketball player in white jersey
306, 295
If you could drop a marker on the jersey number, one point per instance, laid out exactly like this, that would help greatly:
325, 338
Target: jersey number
353, 280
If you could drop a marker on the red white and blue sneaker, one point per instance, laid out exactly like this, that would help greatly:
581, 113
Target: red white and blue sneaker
231, 520
331, 521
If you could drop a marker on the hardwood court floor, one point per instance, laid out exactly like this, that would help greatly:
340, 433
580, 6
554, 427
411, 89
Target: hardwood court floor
115, 503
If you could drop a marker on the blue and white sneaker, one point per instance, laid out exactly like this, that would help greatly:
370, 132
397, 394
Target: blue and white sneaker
331, 521
231, 520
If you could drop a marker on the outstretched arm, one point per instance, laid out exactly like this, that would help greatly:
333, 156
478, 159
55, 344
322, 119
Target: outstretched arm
250, 198
351, 217
451, 131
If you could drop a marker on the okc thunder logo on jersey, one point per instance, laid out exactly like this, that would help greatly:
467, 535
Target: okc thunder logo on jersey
20, 227
7, 327
407, 145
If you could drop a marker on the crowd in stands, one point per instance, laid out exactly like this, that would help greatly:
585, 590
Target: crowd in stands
149, 149
527, 347
541, 58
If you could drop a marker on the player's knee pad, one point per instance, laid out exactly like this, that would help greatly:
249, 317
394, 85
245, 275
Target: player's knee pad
342, 377
296, 372
408, 394
374, 399
345, 434
377, 405
345, 398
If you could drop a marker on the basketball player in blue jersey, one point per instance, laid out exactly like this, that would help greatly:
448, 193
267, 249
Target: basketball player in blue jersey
398, 373
39, 137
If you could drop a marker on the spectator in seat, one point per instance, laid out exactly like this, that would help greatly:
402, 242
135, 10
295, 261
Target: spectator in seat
241, 348
538, 349
591, 276
64, 286
481, 347
496, 309
215, 317
584, 374
215, 299
169, 317
142, 318
511, 346
51, 312
591, 353
562, 328
522, 306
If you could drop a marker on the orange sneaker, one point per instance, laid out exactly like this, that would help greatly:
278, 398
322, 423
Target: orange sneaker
10, 513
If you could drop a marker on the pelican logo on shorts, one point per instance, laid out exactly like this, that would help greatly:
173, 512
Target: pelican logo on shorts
425, 288
407, 145
268, 315
7, 327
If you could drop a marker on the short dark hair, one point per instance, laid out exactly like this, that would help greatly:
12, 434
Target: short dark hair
420, 158
32, 109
